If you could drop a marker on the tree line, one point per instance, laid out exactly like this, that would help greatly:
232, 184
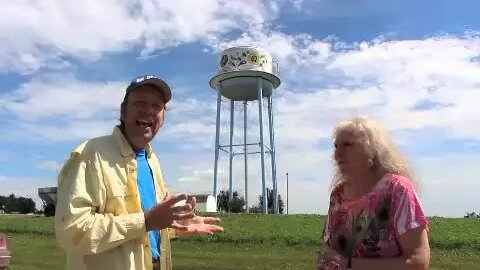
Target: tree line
238, 205
12, 204
472, 215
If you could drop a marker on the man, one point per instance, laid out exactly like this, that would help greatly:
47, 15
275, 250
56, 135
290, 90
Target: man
113, 209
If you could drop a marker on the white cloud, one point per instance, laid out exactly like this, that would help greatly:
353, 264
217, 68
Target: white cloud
172, 24
63, 96
50, 165
448, 183
49, 33
187, 171
439, 70
198, 176
53, 132
297, 4
191, 132
387, 79
37, 33
61, 107
315, 113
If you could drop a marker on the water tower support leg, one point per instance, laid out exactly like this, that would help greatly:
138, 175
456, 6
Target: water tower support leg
245, 153
230, 172
217, 144
262, 148
272, 155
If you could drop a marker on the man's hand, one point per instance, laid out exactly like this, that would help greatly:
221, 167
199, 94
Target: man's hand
197, 225
165, 214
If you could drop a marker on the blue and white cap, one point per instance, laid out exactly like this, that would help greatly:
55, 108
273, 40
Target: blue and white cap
158, 83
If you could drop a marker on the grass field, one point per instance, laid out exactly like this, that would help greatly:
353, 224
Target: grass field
249, 242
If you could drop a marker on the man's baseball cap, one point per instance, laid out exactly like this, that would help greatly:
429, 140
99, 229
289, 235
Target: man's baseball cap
158, 83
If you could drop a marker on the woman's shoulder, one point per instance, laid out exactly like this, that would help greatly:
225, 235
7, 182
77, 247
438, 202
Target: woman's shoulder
337, 190
399, 181
400, 184
336, 194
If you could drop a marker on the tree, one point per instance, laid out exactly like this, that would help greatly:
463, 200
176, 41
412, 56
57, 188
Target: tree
472, 215
270, 202
255, 209
49, 210
11, 204
25, 205
222, 200
236, 205
2, 202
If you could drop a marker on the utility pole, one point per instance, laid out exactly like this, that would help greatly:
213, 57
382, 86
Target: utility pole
287, 194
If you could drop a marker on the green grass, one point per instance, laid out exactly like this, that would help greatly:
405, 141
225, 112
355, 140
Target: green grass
34, 252
249, 242
26, 224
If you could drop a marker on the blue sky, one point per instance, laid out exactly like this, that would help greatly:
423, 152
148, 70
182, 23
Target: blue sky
413, 66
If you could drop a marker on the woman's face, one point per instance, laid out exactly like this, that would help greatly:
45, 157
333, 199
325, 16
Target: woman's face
350, 154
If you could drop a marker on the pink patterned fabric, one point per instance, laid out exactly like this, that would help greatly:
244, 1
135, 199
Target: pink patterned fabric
369, 227
3, 241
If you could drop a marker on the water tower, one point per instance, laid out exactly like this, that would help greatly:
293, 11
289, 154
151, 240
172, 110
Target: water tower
246, 75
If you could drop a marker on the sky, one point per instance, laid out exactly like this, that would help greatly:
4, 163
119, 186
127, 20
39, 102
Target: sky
415, 67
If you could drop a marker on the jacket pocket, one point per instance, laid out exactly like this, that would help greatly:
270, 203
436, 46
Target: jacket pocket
116, 201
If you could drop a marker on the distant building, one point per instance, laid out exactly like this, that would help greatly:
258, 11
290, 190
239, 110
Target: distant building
205, 202
49, 199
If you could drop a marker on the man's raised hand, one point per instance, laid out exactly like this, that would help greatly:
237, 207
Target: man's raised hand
166, 214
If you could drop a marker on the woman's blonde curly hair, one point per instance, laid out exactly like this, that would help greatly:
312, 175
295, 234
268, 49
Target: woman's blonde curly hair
385, 155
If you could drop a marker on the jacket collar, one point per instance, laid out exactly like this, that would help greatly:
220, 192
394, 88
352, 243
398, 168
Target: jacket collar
124, 145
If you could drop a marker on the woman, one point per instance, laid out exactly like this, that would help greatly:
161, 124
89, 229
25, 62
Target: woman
375, 220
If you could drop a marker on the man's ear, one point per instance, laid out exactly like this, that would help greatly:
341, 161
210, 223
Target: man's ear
122, 111
164, 116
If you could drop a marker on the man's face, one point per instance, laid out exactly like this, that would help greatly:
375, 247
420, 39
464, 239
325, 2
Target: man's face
143, 115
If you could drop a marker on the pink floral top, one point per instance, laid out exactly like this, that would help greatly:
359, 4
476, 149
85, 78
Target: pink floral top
369, 227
